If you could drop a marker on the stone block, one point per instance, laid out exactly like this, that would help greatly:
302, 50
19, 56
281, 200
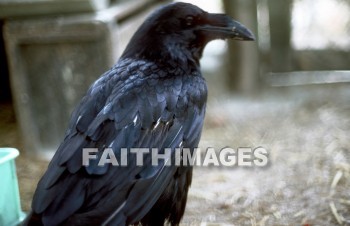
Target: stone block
53, 61
14, 8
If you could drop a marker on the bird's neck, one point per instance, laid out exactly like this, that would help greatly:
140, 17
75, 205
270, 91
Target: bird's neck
181, 53
167, 52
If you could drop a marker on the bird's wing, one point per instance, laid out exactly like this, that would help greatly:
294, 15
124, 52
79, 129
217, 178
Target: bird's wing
141, 111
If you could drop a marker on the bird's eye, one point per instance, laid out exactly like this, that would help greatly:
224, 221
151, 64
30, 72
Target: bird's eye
189, 20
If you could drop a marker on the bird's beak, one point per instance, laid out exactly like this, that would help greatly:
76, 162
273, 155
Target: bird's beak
223, 26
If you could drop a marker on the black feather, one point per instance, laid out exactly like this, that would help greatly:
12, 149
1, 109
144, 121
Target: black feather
153, 97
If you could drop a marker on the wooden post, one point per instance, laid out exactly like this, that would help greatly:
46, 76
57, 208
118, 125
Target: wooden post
243, 63
280, 33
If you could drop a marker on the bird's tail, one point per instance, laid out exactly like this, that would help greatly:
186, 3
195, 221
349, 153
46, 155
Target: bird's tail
32, 220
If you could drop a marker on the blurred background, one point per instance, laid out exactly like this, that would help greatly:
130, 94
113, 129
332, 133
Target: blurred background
288, 92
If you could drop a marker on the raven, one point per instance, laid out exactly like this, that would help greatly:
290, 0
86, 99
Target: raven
153, 97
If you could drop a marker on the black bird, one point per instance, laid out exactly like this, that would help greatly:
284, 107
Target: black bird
154, 97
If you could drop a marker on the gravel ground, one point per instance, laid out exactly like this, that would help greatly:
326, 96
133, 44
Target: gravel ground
305, 130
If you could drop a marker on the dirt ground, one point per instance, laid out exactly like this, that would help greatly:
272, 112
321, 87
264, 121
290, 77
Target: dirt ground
307, 180
305, 129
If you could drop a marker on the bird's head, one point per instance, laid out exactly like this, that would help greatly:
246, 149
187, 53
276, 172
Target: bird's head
180, 31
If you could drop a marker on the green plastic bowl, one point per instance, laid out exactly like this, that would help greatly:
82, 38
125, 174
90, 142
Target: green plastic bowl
10, 207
